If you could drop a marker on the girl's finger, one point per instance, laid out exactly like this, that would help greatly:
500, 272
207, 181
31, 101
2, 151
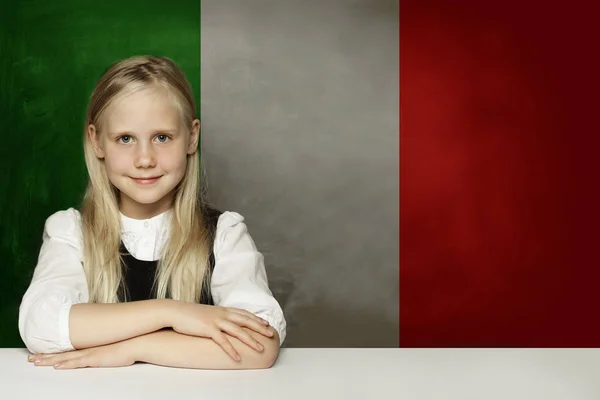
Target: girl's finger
225, 344
39, 356
247, 314
237, 332
51, 359
250, 323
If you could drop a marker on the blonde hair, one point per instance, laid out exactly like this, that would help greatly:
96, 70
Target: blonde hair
182, 271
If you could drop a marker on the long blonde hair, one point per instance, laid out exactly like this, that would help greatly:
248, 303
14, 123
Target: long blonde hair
182, 271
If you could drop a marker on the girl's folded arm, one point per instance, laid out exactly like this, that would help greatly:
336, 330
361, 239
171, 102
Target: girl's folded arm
169, 348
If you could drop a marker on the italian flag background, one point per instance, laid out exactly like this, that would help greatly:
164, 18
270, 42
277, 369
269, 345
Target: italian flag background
498, 155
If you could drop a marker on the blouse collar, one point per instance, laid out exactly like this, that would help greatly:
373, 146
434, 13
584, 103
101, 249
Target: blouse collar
156, 223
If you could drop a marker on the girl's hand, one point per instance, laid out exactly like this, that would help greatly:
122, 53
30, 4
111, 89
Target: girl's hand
111, 355
213, 322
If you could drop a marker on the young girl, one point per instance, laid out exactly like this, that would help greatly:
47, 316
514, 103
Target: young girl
146, 272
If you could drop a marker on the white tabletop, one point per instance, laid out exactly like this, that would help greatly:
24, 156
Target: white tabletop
307, 374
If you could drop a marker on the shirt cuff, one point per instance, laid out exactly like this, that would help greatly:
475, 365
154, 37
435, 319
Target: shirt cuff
277, 323
63, 327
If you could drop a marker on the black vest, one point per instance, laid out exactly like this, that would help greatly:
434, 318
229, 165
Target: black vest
138, 275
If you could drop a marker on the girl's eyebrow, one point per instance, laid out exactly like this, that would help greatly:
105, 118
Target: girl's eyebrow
154, 132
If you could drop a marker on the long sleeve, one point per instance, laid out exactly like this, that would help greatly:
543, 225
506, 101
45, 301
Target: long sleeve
239, 279
58, 282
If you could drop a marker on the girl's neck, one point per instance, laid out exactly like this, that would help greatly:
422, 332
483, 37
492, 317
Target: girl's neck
143, 211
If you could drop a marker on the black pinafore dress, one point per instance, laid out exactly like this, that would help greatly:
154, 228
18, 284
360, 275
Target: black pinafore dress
138, 275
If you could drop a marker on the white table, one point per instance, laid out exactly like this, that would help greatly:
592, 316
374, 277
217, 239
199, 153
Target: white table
315, 374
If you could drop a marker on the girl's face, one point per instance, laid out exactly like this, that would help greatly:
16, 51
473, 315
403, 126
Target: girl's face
144, 144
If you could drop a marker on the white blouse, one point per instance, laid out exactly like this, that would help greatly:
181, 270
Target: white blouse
239, 278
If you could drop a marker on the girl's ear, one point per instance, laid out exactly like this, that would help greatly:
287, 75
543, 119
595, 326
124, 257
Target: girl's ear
93, 134
194, 135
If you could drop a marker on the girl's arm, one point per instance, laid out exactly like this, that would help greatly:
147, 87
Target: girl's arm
92, 325
169, 348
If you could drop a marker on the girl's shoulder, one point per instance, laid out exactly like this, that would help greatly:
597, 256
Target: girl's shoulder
231, 232
229, 218
68, 217
230, 223
64, 225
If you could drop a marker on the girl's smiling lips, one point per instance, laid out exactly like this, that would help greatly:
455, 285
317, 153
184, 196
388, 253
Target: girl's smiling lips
146, 180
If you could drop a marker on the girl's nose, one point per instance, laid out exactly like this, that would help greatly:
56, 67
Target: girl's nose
144, 157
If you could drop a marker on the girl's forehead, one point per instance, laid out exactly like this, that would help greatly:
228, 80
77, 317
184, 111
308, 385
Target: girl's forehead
144, 107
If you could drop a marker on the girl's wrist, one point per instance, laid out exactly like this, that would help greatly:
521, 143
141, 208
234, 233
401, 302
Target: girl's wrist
166, 312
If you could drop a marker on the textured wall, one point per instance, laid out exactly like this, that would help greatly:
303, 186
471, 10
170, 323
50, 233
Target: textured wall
51, 54
299, 103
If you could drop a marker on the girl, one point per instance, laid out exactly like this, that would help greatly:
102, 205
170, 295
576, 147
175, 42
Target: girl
146, 271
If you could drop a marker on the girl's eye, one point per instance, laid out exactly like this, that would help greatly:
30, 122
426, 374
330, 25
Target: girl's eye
162, 138
125, 139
